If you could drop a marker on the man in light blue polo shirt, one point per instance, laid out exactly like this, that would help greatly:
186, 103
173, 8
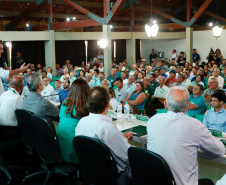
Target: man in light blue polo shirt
216, 117
197, 101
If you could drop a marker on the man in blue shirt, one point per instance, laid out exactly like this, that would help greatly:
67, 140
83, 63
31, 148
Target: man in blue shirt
196, 57
64, 92
197, 101
216, 117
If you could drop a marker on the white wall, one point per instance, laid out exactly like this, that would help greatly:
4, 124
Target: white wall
165, 45
202, 41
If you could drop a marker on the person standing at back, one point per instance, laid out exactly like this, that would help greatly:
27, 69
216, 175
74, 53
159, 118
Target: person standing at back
180, 138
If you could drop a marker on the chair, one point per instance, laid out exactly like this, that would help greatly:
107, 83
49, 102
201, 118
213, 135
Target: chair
48, 149
4, 145
149, 168
96, 161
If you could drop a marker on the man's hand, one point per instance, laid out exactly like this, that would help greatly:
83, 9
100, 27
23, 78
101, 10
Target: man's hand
128, 135
24, 68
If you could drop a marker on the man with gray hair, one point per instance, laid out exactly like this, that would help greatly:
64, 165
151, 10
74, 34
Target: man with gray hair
35, 103
10, 101
180, 138
208, 92
215, 74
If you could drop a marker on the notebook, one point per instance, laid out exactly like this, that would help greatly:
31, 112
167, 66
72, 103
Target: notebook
137, 131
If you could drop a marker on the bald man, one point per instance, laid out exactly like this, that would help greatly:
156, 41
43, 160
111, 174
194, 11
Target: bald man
177, 137
10, 101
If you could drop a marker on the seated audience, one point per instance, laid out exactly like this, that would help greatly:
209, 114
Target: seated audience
186, 80
82, 74
123, 75
49, 74
100, 81
65, 75
148, 71
137, 98
47, 88
199, 79
200, 71
10, 101
197, 101
59, 71
153, 82
44, 74
90, 81
216, 73
224, 76
147, 88
113, 101
130, 86
163, 73
96, 75
64, 92
73, 108
180, 81
158, 98
134, 67
55, 93
72, 77
177, 137
101, 127
171, 79
120, 93
208, 92
35, 103
140, 77
67, 62
112, 77
216, 117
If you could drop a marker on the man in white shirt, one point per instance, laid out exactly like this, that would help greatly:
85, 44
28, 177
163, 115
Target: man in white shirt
120, 93
158, 98
123, 75
180, 138
220, 80
174, 55
6, 73
10, 101
46, 92
99, 126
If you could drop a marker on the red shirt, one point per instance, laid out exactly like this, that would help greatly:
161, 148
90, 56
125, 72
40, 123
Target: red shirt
170, 82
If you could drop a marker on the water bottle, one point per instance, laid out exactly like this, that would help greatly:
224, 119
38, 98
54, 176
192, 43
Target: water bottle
119, 112
126, 108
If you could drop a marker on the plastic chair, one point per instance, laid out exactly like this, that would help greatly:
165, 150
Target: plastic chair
48, 149
96, 161
149, 168
161, 111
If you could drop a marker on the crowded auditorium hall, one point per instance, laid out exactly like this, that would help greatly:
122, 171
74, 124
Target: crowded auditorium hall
112, 92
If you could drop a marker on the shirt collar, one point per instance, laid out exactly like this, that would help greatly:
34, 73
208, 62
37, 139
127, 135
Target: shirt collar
101, 116
13, 90
221, 111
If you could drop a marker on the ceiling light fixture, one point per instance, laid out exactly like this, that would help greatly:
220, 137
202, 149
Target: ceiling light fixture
217, 30
152, 28
102, 43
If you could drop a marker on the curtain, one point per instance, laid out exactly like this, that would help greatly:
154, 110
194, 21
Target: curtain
32, 51
138, 55
120, 50
72, 50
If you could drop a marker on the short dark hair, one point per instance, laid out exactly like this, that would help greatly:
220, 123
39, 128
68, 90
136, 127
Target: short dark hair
123, 72
97, 71
200, 77
98, 99
220, 95
44, 72
119, 79
153, 74
200, 87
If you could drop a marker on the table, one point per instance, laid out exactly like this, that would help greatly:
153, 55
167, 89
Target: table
209, 166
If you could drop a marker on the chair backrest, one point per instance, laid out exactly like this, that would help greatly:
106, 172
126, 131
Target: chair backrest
149, 168
46, 141
97, 163
24, 121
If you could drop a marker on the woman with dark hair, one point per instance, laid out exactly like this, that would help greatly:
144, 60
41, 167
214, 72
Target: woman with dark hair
137, 98
199, 79
140, 77
73, 108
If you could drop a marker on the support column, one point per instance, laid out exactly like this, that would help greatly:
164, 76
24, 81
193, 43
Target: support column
189, 44
131, 51
50, 57
107, 50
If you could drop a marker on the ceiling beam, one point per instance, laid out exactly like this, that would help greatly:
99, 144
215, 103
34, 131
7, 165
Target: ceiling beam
34, 6
118, 4
200, 11
73, 24
189, 6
